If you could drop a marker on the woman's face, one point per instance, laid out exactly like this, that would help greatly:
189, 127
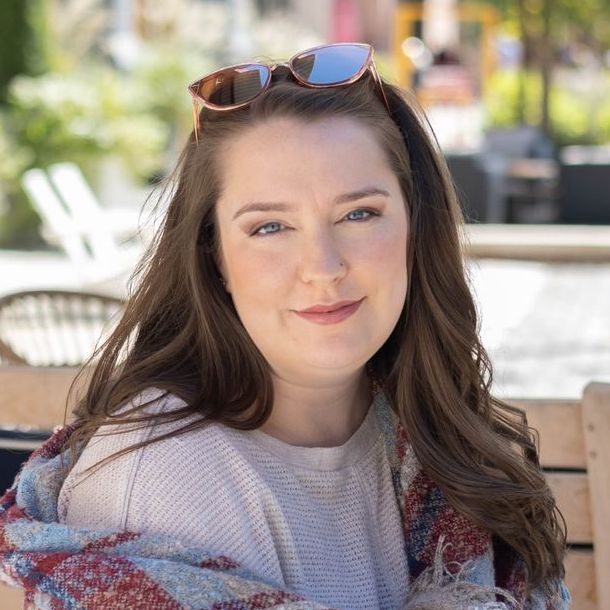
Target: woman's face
311, 244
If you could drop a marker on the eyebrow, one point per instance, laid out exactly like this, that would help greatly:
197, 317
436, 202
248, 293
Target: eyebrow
265, 206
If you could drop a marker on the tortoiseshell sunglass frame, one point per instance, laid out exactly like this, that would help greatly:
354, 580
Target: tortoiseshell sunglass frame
367, 64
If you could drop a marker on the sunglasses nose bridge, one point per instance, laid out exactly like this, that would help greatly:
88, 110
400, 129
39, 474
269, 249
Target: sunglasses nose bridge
283, 64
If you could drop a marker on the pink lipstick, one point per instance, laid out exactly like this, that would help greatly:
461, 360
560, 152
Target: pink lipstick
337, 313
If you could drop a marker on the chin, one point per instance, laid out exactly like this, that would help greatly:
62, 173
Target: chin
348, 358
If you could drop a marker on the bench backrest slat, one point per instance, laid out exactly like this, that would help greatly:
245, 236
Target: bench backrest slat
571, 491
34, 396
580, 580
559, 423
596, 427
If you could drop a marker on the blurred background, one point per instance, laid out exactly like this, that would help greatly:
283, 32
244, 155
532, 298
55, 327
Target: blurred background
94, 109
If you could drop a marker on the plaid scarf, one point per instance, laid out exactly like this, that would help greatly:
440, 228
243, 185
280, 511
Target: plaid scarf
453, 563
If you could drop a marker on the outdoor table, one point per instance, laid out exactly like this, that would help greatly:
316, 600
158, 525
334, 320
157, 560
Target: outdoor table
531, 181
532, 169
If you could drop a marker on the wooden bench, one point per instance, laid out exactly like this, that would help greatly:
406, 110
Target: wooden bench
34, 396
574, 452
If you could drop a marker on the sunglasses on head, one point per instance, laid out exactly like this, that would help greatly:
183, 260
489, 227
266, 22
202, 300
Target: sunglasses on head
329, 65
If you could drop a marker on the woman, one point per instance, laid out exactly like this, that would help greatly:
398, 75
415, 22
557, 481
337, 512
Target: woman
302, 355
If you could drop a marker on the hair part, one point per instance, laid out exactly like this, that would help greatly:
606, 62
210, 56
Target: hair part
180, 331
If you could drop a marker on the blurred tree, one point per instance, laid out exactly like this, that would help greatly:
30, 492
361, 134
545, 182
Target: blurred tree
578, 116
544, 26
78, 29
23, 41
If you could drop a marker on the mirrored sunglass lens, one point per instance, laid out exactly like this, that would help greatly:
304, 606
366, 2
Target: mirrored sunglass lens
234, 86
330, 65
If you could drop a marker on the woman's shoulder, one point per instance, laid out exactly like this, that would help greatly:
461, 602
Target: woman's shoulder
140, 418
114, 494
151, 400
93, 480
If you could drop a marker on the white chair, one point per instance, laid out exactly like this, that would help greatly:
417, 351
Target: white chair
103, 225
73, 220
58, 228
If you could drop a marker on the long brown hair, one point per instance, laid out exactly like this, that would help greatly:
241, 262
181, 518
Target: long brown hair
181, 333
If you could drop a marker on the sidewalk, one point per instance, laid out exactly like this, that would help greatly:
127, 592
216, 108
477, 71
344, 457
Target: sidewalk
546, 326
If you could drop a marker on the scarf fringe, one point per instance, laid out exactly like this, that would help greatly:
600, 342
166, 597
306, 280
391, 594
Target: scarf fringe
436, 588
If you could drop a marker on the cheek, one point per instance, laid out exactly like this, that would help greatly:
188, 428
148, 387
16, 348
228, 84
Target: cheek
385, 253
256, 274
386, 264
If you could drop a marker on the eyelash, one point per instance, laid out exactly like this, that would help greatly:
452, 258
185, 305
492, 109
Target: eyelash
254, 232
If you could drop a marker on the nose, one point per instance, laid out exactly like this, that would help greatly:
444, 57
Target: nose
321, 260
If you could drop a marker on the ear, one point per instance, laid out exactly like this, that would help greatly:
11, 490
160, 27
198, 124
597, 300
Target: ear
222, 274
218, 257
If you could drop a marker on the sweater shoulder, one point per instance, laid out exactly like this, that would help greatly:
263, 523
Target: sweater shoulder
96, 490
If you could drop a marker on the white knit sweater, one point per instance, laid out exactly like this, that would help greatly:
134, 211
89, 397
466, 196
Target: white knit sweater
322, 521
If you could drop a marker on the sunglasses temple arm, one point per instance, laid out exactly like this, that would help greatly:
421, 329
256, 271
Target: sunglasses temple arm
377, 79
196, 120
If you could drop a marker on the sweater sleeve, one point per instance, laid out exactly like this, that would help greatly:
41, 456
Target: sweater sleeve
101, 498
193, 487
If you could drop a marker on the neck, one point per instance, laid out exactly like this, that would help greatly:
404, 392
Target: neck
320, 415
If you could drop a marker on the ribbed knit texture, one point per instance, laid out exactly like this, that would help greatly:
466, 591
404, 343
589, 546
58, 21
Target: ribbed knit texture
322, 521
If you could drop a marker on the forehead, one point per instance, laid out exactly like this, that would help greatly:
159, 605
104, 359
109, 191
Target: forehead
281, 157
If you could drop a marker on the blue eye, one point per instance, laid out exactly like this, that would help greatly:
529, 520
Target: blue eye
369, 212
269, 224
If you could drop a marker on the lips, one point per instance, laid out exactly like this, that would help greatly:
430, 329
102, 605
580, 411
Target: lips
327, 308
334, 316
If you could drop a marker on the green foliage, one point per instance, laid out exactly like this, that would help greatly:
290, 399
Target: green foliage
81, 117
19, 221
23, 41
162, 76
570, 19
86, 113
575, 118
